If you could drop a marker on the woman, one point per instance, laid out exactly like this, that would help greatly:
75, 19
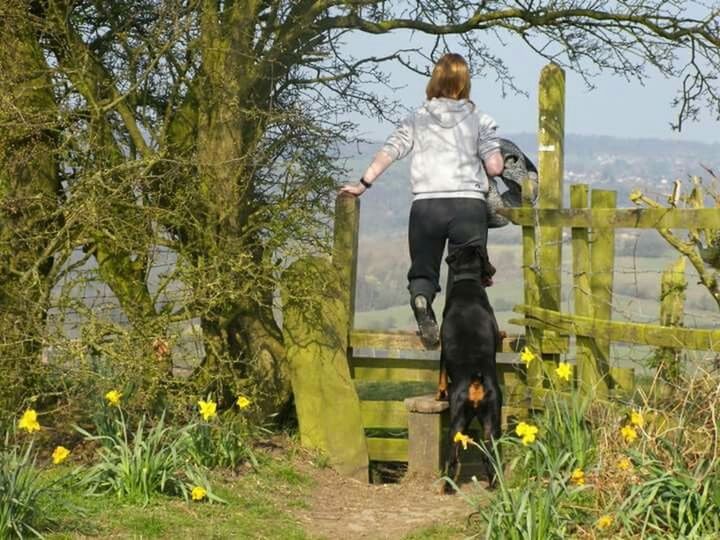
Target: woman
454, 149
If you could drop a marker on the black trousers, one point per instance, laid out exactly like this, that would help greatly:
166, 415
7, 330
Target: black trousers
458, 221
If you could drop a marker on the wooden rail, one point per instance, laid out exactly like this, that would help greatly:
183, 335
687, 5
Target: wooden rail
618, 218
627, 332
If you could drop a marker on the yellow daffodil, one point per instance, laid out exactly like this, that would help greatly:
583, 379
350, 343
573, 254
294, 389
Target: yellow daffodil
208, 409
29, 421
578, 477
113, 397
528, 432
198, 493
563, 371
624, 464
243, 402
629, 433
636, 418
463, 439
527, 356
60, 454
604, 521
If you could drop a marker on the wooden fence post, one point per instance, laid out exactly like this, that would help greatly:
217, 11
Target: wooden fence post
586, 368
345, 248
533, 336
672, 305
551, 143
602, 265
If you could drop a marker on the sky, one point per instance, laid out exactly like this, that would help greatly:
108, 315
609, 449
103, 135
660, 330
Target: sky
616, 107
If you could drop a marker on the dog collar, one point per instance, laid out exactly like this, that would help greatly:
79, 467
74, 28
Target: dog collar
467, 276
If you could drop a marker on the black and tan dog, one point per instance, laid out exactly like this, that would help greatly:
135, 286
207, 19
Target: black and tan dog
469, 337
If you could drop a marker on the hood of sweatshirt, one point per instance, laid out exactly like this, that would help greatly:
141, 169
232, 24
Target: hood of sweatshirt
449, 112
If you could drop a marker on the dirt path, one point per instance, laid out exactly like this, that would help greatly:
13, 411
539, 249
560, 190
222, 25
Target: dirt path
345, 509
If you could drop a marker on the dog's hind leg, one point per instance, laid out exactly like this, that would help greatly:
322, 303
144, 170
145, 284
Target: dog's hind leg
459, 422
442, 391
490, 421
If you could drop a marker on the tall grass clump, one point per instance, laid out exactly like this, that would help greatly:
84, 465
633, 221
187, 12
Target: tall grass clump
682, 501
566, 427
671, 488
222, 444
21, 492
539, 504
591, 469
27, 495
153, 459
543, 495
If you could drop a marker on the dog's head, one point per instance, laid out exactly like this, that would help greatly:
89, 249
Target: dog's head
471, 260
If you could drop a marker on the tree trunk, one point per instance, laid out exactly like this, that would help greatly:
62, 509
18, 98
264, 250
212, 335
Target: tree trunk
245, 334
29, 194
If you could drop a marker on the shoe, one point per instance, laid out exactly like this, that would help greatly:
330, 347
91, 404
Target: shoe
427, 325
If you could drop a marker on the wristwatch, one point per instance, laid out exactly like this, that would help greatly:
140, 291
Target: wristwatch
367, 185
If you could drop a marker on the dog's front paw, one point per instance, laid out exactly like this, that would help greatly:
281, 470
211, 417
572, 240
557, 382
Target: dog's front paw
441, 395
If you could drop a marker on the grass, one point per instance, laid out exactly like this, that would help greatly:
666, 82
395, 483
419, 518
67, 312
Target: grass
258, 505
439, 532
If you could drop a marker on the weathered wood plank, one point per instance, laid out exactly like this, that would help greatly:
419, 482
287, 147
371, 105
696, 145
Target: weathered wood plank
410, 341
375, 369
425, 442
384, 414
586, 365
387, 449
346, 233
551, 142
628, 332
388, 373
672, 312
531, 292
554, 344
619, 218
602, 263
623, 381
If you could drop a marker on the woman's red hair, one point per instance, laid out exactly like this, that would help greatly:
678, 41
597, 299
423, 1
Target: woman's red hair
450, 78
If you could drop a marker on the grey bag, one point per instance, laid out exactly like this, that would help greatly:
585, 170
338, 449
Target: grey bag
517, 167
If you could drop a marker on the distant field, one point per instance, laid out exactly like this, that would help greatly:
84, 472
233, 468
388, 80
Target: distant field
637, 286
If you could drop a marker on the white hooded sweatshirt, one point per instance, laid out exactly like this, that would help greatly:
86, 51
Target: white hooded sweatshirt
448, 139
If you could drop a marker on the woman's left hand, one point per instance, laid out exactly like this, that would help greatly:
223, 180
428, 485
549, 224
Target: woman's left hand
353, 189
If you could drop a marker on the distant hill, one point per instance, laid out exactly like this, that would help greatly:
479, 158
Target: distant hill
602, 162
616, 163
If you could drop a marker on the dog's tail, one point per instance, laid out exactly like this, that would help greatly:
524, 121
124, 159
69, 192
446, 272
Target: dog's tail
476, 390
